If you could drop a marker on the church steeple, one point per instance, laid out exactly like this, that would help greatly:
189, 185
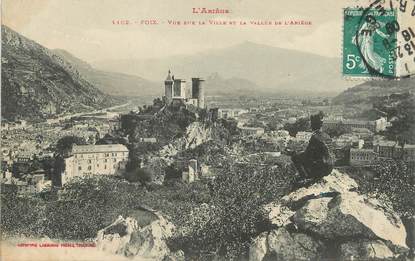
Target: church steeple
169, 78
168, 88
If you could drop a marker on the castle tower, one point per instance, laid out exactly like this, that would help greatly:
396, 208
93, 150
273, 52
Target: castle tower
168, 88
198, 91
179, 89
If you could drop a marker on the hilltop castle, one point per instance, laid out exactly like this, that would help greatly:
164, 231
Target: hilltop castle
175, 91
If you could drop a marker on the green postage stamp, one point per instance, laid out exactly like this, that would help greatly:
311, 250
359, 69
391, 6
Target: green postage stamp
365, 33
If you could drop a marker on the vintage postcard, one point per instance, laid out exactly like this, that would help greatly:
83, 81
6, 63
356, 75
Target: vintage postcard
210, 130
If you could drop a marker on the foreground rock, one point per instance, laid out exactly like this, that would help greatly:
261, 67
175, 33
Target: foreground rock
365, 250
330, 215
139, 238
350, 215
280, 244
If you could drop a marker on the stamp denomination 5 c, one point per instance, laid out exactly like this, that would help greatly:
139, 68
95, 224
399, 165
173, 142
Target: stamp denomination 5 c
364, 54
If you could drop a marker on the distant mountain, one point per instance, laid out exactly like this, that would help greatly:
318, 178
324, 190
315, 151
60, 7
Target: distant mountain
216, 84
113, 83
36, 82
271, 69
365, 92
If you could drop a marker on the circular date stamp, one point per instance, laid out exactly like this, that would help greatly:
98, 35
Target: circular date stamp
379, 40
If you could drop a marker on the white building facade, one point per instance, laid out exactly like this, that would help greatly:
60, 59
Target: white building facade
108, 159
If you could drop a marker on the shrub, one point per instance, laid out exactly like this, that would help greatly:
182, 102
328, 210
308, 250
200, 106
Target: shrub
22, 215
85, 205
88, 204
395, 182
235, 214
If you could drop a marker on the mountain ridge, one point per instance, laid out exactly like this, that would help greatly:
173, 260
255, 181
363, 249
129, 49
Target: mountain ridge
113, 83
272, 69
37, 83
363, 93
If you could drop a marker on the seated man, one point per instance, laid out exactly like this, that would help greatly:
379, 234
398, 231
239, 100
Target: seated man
316, 161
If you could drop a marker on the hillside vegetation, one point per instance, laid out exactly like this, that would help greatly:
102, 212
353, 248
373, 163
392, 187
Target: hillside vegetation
36, 83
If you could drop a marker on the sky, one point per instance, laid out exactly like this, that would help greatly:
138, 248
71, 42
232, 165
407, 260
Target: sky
86, 28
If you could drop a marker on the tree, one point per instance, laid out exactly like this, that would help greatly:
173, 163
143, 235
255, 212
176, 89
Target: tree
400, 108
336, 131
231, 125
171, 173
65, 144
158, 102
302, 124
35, 164
109, 139
141, 175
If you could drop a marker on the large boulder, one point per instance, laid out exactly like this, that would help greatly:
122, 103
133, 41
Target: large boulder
259, 247
280, 244
350, 215
335, 182
138, 239
365, 250
280, 211
330, 215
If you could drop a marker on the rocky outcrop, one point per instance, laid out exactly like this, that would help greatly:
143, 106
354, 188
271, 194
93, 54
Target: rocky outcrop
196, 134
138, 240
330, 220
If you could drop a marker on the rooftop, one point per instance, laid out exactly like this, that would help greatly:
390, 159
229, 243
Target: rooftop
349, 121
169, 78
250, 128
388, 143
360, 150
99, 148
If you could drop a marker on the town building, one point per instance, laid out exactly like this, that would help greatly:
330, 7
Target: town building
28, 184
208, 172
176, 92
190, 174
248, 131
408, 153
148, 140
15, 125
374, 126
292, 120
6, 177
362, 133
383, 149
24, 157
362, 157
348, 139
230, 113
107, 159
114, 125
303, 136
